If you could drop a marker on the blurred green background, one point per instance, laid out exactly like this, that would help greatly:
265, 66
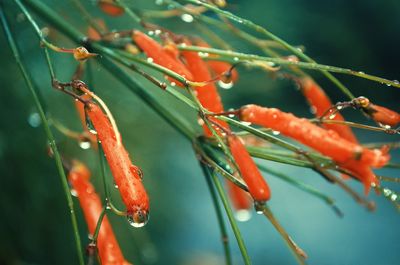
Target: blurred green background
35, 225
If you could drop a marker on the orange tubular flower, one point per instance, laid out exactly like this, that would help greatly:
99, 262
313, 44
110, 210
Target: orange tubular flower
327, 142
208, 95
209, 98
110, 8
108, 248
218, 67
157, 53
320, 102
257, 185
127, 176
384, 115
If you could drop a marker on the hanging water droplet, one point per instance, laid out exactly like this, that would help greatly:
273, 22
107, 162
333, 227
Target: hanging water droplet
387, 84
150, 60
225, 85
200, 121
235, 59
116, 185
139, 218
34, 119
187, 18
393, 197
157, 32
151, 33
396, 82
276, 132
173, 84
332, 116
243, 215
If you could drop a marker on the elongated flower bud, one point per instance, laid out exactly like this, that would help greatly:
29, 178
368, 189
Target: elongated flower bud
127, 176
108, 248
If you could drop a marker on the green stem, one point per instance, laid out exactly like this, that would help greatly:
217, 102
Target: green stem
304, 187
220, 218
237, 56
289, 47
98, 225
229, 213
48, 132
298, 252
129, 11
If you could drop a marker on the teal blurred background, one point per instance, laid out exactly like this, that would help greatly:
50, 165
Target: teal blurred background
35, 225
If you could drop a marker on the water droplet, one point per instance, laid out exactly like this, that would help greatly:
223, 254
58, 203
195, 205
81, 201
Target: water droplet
34, 119
339, 107
139, 218
396, 82
235, 59
157, 32
159, 2
203, 54
225, 85
45, 31
116, 185
245, 123
332, 116
173, 84
243, 215
313, 109
200, 121
387, 192
84, 143
361, 73
150, 60
74, 193
276, 132
151, 33
187, 18
387, 84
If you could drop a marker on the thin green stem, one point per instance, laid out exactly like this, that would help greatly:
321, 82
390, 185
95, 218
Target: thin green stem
229, 213
129, 11
265, 32
220, 218
48, 132
237, 57
98, 225
304, 187
297, 251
